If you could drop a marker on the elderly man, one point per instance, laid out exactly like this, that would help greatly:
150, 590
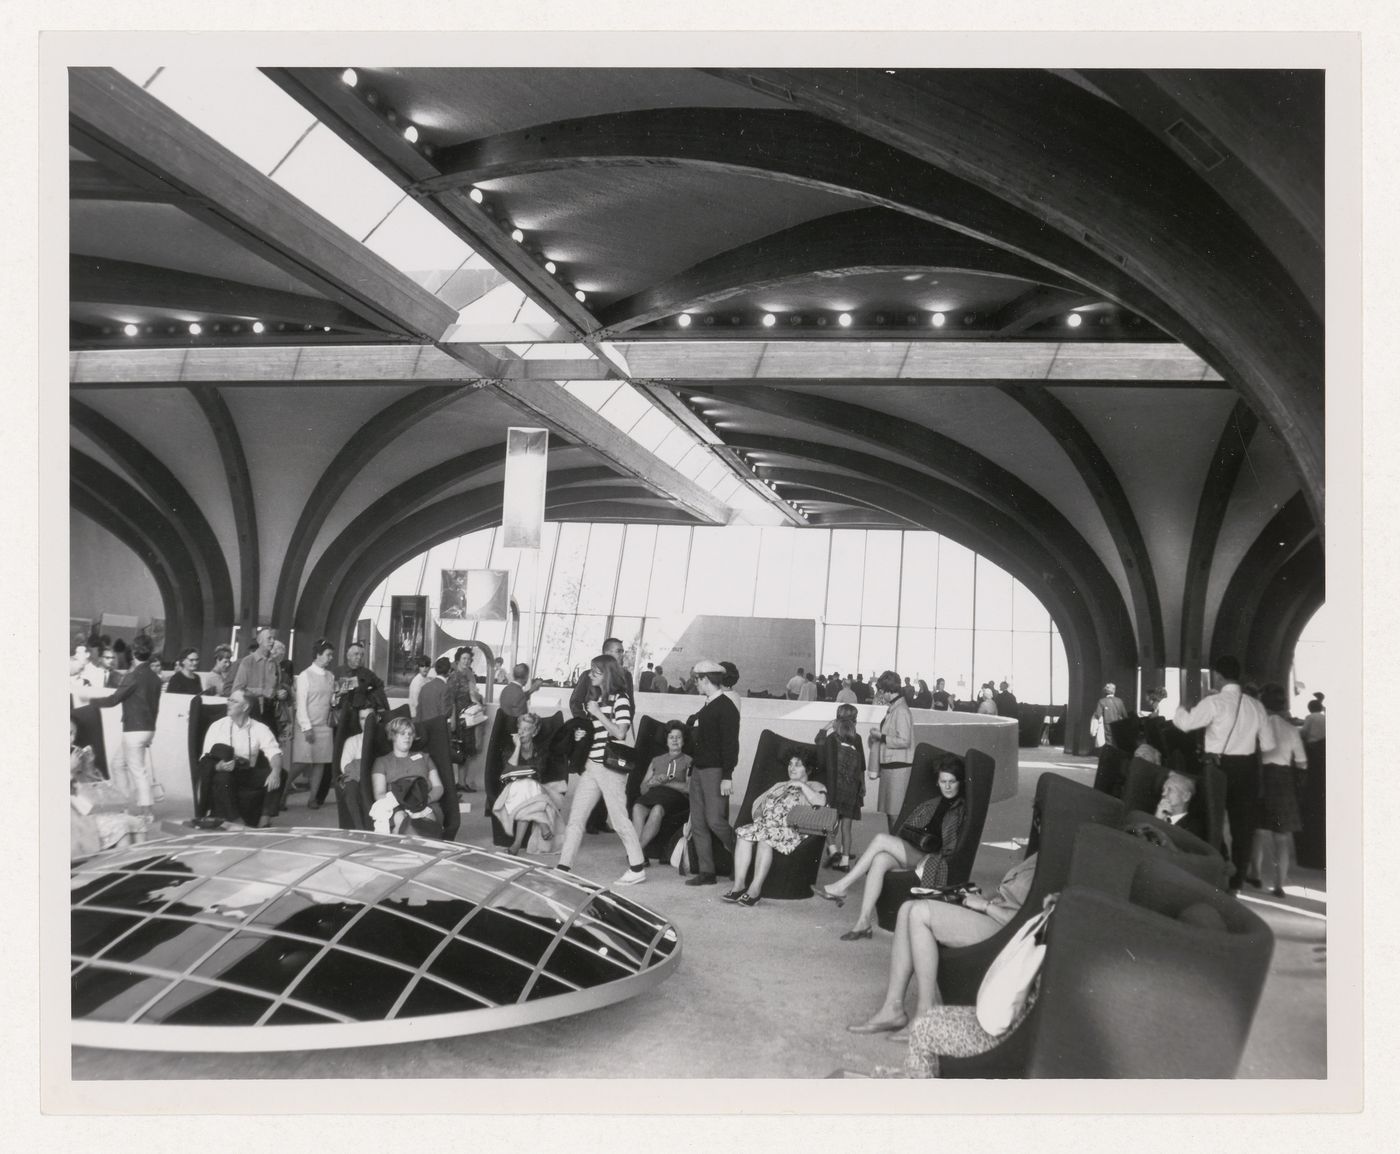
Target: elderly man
259, 675
1237, 730
1175, 806
241, 762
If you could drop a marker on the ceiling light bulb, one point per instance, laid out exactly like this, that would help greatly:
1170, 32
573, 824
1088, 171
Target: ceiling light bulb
517, 236
580, 295
351, 77
325, 328
130, 330
550, 267
938, 320
257, 326
410, 134
845, 319
476, 195
1075, 320
683, 320
195, 329
769, 320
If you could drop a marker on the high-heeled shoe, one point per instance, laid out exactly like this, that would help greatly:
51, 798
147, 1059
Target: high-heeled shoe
858, 935
839, 899
878, 1027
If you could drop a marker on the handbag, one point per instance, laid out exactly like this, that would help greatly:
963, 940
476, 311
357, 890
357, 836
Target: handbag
1007, 984
618, 757
812, 819
915, 829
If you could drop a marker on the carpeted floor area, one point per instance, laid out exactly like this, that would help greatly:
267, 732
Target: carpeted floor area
760, 993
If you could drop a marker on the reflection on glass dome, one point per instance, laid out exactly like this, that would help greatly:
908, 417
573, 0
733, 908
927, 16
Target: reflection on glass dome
341, 938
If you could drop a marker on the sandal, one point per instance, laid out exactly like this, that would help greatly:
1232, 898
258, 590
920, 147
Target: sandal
858, 935
749, 900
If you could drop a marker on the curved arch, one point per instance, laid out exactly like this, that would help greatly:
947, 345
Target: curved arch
1292, 596
1013, 500
240, 492
1219, 487
99, 493
1056, 418
1211, 283
160, 486
851, 243
964, 518
1287, 532
452, 518
365, 443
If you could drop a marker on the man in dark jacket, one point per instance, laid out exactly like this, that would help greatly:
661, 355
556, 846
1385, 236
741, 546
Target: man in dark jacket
714, 741
1005, 701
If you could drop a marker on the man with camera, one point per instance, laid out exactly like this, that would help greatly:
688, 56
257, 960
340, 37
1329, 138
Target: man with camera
241, 761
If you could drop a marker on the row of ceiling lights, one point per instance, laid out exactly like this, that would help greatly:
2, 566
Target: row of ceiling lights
845, 320
410, 133
195, 328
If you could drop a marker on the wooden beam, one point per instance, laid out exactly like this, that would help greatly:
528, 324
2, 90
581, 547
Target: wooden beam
145, 142
1229, 457
97, 280
88, 180
239, 479
666, 400
343, 110
359, 451
562, 412
1185, 262
860, 242
1066, 430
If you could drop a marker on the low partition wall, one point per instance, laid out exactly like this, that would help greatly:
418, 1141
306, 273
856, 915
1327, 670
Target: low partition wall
800, 720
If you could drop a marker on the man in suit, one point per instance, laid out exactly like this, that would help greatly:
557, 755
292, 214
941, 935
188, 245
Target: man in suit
1175, 808
644, 682
1005, 700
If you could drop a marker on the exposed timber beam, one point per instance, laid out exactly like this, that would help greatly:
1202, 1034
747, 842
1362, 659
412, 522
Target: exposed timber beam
146, 143
1184, 260
344, 111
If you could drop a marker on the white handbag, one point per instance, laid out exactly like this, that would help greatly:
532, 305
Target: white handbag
1008, 981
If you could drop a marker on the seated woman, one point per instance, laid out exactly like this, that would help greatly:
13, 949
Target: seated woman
665, 789
924, 925
769, 829
91, 831
936, 827
846, 764
522, 798
400, 764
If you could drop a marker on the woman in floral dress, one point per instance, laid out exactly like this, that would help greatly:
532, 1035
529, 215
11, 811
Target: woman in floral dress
769, 830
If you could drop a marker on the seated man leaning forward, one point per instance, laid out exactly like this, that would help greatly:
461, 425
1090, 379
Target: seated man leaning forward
1175, 806
924, 925
241, 758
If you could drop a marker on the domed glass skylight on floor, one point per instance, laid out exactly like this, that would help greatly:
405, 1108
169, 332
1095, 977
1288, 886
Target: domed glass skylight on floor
311, 939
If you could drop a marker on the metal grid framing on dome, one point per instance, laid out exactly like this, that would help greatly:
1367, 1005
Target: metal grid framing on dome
310, 939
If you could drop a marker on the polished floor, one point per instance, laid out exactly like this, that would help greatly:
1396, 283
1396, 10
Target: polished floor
763, 992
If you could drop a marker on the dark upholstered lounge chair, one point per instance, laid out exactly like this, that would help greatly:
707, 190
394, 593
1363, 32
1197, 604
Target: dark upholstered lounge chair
923, 784
1156, 975
1104, 853
1063, 806
1113, 768
792, 875
1142, 790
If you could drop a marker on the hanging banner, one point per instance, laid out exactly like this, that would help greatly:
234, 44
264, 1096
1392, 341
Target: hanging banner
522, 513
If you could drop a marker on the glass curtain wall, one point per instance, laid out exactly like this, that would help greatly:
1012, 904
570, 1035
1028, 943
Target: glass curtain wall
916, 602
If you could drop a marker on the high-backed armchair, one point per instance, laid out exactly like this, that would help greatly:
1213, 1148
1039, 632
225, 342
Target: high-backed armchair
1102, 853
792, 875
923, 784
1061, 807
1158, 974
1142, 790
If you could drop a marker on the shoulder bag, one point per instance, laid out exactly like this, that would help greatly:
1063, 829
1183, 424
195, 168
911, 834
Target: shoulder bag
1007, 985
